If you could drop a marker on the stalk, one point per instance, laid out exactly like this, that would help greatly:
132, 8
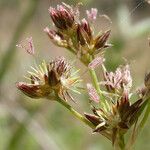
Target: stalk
75, 113
97, 86
120, 143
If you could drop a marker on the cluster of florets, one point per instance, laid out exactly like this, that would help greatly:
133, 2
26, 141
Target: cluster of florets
113, 112
119, 114
49, 79
76, 35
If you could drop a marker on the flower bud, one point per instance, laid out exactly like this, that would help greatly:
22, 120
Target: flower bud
56, 37
81, 35
100, 41
67, 15
85, 25
61, 17
33, 91
92, 118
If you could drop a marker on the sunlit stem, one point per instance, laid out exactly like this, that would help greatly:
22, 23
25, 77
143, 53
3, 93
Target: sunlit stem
75, 113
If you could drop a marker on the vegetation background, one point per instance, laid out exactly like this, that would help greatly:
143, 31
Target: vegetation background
27, 124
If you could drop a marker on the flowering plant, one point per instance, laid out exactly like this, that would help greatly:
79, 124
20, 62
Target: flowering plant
110, 100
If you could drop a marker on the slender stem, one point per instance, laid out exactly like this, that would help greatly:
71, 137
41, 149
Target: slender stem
146, 115
96, 84
119, 144
122, 142
75, 113
95, 80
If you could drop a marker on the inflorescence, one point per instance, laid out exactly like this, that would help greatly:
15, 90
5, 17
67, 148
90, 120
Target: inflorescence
110, 100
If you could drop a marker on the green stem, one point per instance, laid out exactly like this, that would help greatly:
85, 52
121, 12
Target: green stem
120, 144
95, 80
96, 84
75, 113
146, 115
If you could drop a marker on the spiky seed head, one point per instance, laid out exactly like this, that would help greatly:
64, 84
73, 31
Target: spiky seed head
49, 78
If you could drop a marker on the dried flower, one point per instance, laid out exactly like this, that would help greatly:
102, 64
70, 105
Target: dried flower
96, 62
56, 37
48, 79
93, 93
92, 14
27, 45
119, 80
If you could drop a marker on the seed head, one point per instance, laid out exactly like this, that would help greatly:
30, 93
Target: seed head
49, 79
118, 118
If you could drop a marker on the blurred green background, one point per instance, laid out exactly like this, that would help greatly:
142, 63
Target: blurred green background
28, 124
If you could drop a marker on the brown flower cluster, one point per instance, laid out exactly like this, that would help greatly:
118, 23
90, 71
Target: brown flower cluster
119, 114
51, 78
113, 112
75, 34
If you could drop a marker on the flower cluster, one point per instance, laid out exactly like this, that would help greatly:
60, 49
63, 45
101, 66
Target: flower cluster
119, 114
75, 34
113, 112
119, 80
51, 78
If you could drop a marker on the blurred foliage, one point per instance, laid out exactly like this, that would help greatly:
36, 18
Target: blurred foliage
39, 124
7, 59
